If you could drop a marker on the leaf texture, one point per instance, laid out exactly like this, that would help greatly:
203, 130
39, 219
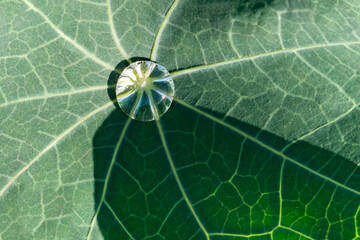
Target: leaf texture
261, 142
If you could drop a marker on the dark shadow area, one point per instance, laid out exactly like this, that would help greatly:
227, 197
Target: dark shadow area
232, 182
240, 6
143, 197
114, 76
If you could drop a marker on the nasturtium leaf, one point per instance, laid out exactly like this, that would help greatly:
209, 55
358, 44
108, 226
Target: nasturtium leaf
262, 140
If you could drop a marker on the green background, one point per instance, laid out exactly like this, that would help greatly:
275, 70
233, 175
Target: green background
261, 142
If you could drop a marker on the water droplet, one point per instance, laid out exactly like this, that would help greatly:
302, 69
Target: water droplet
145, 90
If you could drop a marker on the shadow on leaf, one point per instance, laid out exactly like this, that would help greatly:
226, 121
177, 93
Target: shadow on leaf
232, 182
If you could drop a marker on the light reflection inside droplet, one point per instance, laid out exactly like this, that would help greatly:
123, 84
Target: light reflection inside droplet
145, 90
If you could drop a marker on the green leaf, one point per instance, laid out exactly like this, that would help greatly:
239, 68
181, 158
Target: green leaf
261, 142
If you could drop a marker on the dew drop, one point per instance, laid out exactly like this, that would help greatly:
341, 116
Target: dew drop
145, 90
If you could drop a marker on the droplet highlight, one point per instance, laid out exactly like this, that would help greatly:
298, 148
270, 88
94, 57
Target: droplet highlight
145, 90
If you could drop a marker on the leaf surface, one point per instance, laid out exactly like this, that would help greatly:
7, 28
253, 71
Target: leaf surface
262, 140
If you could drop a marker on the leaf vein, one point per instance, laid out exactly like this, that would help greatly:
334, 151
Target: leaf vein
177, 73
51, 145
173, 169
320, 127
113, 31
51, 95
108, 174
67, 38
271, 149
155, 47
117, 219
